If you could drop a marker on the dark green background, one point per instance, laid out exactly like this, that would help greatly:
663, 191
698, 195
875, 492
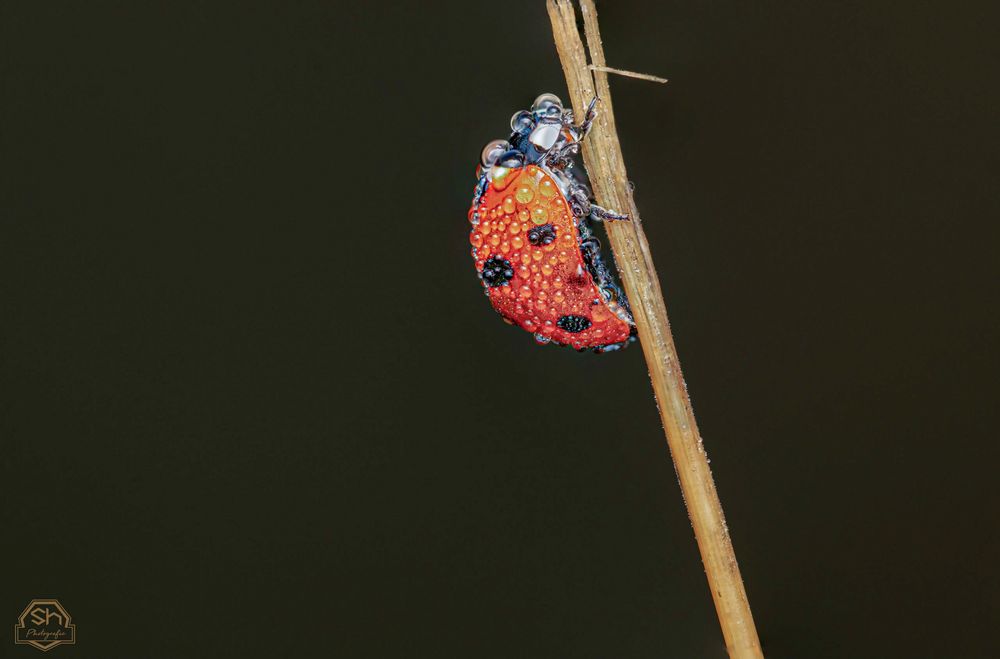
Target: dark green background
255, 404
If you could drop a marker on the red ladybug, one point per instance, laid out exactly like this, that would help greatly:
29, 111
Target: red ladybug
531, 237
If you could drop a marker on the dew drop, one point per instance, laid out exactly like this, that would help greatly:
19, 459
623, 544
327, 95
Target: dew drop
524, 194
547, 188
493, 150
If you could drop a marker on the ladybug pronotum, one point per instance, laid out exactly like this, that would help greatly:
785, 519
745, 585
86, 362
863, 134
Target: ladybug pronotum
531, 238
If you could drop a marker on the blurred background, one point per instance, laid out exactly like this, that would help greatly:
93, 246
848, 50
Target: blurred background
253, 401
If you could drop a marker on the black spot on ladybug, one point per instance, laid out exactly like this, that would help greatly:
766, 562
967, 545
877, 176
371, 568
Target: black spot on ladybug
542, 235
497, 271
573, 324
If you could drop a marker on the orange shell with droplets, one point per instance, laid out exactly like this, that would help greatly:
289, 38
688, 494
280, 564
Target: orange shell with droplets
550, 281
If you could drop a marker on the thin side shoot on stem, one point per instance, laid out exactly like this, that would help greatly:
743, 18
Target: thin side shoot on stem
628, 74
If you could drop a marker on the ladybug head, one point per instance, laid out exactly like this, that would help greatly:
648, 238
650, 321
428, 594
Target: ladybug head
541, 127
535, 132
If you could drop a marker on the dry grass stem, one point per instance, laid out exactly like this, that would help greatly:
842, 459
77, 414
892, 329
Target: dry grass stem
603, 158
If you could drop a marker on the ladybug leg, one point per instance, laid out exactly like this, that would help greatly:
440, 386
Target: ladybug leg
601, 214
588, 119
583, 206
563, 158
580, 204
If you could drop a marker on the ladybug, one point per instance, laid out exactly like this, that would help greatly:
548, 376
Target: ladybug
531, 236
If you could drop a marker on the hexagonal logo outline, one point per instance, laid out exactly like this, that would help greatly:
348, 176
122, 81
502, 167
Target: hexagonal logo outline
40, 612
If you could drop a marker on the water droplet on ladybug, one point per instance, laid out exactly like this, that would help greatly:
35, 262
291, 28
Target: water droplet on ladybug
547, 105
494, 150
501, 177
522, 122
524, 194
547, 188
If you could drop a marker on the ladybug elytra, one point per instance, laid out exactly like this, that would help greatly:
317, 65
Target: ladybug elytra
539, 263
